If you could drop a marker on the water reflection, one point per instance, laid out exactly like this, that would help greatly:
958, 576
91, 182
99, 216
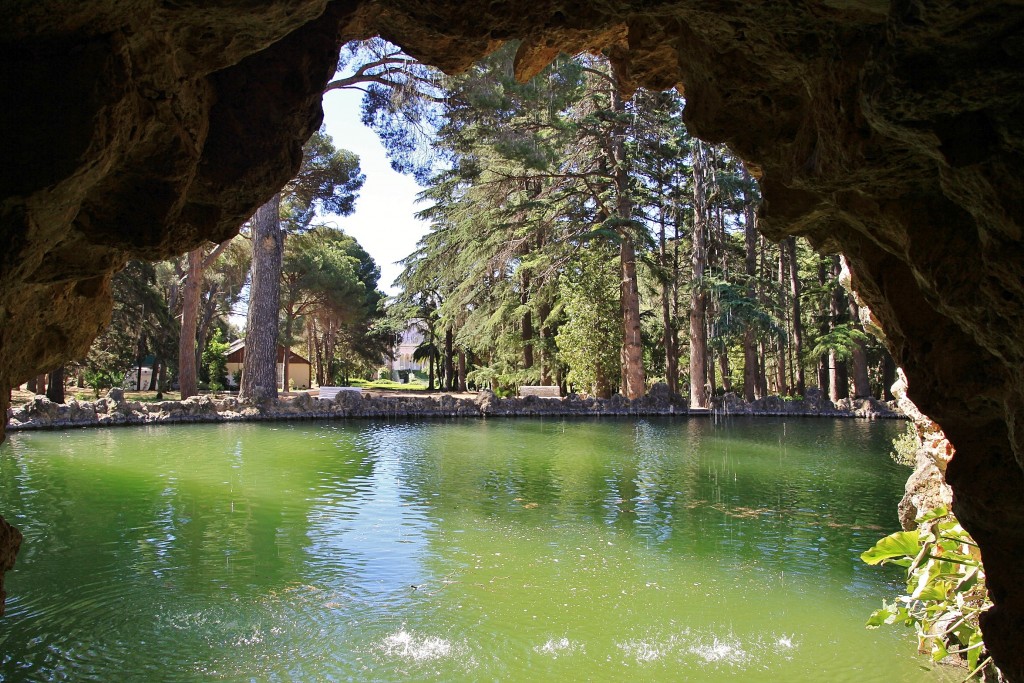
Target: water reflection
599, 549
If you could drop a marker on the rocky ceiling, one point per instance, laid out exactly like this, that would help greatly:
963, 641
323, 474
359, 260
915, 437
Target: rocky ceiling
891, 131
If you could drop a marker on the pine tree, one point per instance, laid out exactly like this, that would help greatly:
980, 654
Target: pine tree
328, 181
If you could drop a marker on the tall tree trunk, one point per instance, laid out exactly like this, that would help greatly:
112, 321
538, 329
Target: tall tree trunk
207, 312
888, 376
780, 369
762, 370
698, 298
675, 301
723, 364
449, 359
823, 376
430, 361
55, 389
861, 381
313, 339
286, 368
602, 387
750, 364
527, 321
138, 369
668, 339
290, 314
798, 326
157, 363
545, 345
859, 364
259, 368
462, 371
187, 380
634, 381
161, 383
761, 390
783, 289
712, 373
329, 341
839, 377
632, 344
310, 352
750, 266
839, 387
824, 362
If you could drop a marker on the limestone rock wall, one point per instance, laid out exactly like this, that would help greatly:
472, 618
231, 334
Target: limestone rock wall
926, 488
890, 131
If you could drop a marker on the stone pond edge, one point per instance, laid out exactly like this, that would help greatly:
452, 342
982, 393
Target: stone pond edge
113, 410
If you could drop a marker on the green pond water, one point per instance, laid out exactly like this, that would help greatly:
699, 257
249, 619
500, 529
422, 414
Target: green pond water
605, 550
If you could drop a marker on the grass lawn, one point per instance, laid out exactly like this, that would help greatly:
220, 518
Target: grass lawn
388, 385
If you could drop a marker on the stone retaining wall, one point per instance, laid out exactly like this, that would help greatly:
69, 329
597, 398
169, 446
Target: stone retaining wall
41, 413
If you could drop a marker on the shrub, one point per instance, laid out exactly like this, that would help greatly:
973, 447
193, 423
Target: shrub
99, 378
946, 590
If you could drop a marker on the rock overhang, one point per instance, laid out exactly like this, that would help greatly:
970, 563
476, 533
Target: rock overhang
892, 132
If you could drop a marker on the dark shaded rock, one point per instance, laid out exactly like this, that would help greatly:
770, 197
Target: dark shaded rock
889, 131
769, 404
660, 391
10, 542
486, 399
731, 404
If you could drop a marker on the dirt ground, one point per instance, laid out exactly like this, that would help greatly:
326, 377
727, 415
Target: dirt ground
20, 395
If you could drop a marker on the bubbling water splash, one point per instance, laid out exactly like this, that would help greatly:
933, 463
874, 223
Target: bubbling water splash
709, 648
416, 648
558, 646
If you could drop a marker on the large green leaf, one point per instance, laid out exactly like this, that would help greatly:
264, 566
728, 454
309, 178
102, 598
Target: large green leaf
937, 591
880, 617
936, 513
974, 648
899, 545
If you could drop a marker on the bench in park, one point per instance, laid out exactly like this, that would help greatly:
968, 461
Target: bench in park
330, 393
542, 392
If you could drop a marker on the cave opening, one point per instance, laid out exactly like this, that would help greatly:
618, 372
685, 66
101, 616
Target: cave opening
888, 132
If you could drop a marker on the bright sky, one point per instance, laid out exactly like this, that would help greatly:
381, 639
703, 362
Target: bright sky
383, 221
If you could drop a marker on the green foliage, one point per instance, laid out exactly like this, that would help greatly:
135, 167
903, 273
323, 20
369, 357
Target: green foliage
425, 351
401, 98
100, 378
589, 340
482, 376
735, 309
329, 283
946, 590
841, 339
327, 183
540, 176
140, 324
215, 360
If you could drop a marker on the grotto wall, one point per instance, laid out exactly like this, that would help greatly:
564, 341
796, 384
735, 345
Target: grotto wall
890, 131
